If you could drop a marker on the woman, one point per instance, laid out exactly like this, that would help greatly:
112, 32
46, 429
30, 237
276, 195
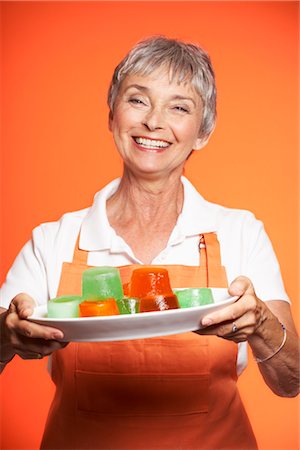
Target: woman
175, 392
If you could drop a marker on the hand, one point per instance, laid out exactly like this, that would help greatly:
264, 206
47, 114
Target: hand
27, 339
240, 320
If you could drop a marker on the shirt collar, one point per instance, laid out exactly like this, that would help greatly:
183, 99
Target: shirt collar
197, 216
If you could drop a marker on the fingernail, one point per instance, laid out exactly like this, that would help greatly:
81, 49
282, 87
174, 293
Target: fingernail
57, 336
206, 322
237, 291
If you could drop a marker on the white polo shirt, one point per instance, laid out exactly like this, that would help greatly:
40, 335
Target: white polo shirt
245, 248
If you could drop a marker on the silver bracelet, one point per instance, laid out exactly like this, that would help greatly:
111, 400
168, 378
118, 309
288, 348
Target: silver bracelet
259, 360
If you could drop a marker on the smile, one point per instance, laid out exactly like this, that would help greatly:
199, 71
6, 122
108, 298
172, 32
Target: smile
151, 144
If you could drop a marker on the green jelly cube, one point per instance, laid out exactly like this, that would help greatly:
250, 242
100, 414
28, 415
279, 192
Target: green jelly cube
128, 305
194, 297
99, 283
65, 307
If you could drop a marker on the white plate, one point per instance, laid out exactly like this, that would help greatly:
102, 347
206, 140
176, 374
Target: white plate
133, 326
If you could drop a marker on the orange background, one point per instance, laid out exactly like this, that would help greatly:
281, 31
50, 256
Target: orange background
57, 151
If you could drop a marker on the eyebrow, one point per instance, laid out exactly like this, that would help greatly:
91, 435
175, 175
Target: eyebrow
137, 86
182, 97
145, 89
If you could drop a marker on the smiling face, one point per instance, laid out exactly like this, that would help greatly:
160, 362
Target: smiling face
156, 123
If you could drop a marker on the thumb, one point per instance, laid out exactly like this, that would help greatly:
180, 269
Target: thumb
241, 286
23, 305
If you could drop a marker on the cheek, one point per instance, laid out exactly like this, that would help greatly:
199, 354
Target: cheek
187, 132
126, 118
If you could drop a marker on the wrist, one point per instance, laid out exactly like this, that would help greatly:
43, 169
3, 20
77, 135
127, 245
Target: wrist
271, 355
268, 339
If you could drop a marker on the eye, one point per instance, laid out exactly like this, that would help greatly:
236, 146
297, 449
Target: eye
182, 109
136, 101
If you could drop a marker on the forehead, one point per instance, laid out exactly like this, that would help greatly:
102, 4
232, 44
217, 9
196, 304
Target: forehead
160, 82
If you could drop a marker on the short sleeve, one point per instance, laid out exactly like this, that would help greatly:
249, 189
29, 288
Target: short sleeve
27, 273
262, 266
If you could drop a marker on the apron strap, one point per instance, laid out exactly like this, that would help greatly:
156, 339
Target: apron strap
79, 256
210, 257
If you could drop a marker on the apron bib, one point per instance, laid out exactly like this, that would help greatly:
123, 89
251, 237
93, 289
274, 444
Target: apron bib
173, 392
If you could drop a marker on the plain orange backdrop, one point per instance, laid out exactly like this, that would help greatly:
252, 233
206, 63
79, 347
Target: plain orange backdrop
57, 60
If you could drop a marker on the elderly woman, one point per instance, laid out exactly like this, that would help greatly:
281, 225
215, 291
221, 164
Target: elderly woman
174, 392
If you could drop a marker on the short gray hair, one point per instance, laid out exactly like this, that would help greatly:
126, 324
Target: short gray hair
184, 62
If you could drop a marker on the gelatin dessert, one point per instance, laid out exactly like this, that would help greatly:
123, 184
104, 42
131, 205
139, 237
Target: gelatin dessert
99, 283
65, 307
149, 289
151, 285
194, 297
107, 307
129, 305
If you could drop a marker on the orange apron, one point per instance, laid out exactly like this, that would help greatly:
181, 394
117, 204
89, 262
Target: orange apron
176, 392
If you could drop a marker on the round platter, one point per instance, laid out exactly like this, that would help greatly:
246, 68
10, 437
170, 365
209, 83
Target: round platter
133, 326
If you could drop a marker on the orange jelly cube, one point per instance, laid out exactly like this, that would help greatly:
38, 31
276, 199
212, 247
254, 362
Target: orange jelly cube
152, 286
149, 281
158, 303
107, 307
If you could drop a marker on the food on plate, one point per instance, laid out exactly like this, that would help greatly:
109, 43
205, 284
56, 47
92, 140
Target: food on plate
194, 297
64, 307
151, 285
148, 290
129, 305
158, 303
101, 282
107, 307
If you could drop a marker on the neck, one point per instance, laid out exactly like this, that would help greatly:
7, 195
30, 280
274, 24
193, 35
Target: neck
147, 200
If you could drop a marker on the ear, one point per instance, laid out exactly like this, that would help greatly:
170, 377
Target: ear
110, 118
198, 144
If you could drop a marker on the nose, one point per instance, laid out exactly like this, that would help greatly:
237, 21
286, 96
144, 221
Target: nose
154, 120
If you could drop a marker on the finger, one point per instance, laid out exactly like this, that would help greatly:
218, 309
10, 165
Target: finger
31, 329
28, 349
23, 305
28, 355
230, 313
225, 332
241, 286
237, 331
35, 354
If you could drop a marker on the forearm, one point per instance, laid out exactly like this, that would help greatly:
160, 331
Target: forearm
280, 370
259, 323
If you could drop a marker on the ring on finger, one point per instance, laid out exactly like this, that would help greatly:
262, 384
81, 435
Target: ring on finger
234, 327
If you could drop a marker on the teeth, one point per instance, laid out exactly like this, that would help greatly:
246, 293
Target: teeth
151, 143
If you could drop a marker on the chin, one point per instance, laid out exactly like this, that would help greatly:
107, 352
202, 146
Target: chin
150, 170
